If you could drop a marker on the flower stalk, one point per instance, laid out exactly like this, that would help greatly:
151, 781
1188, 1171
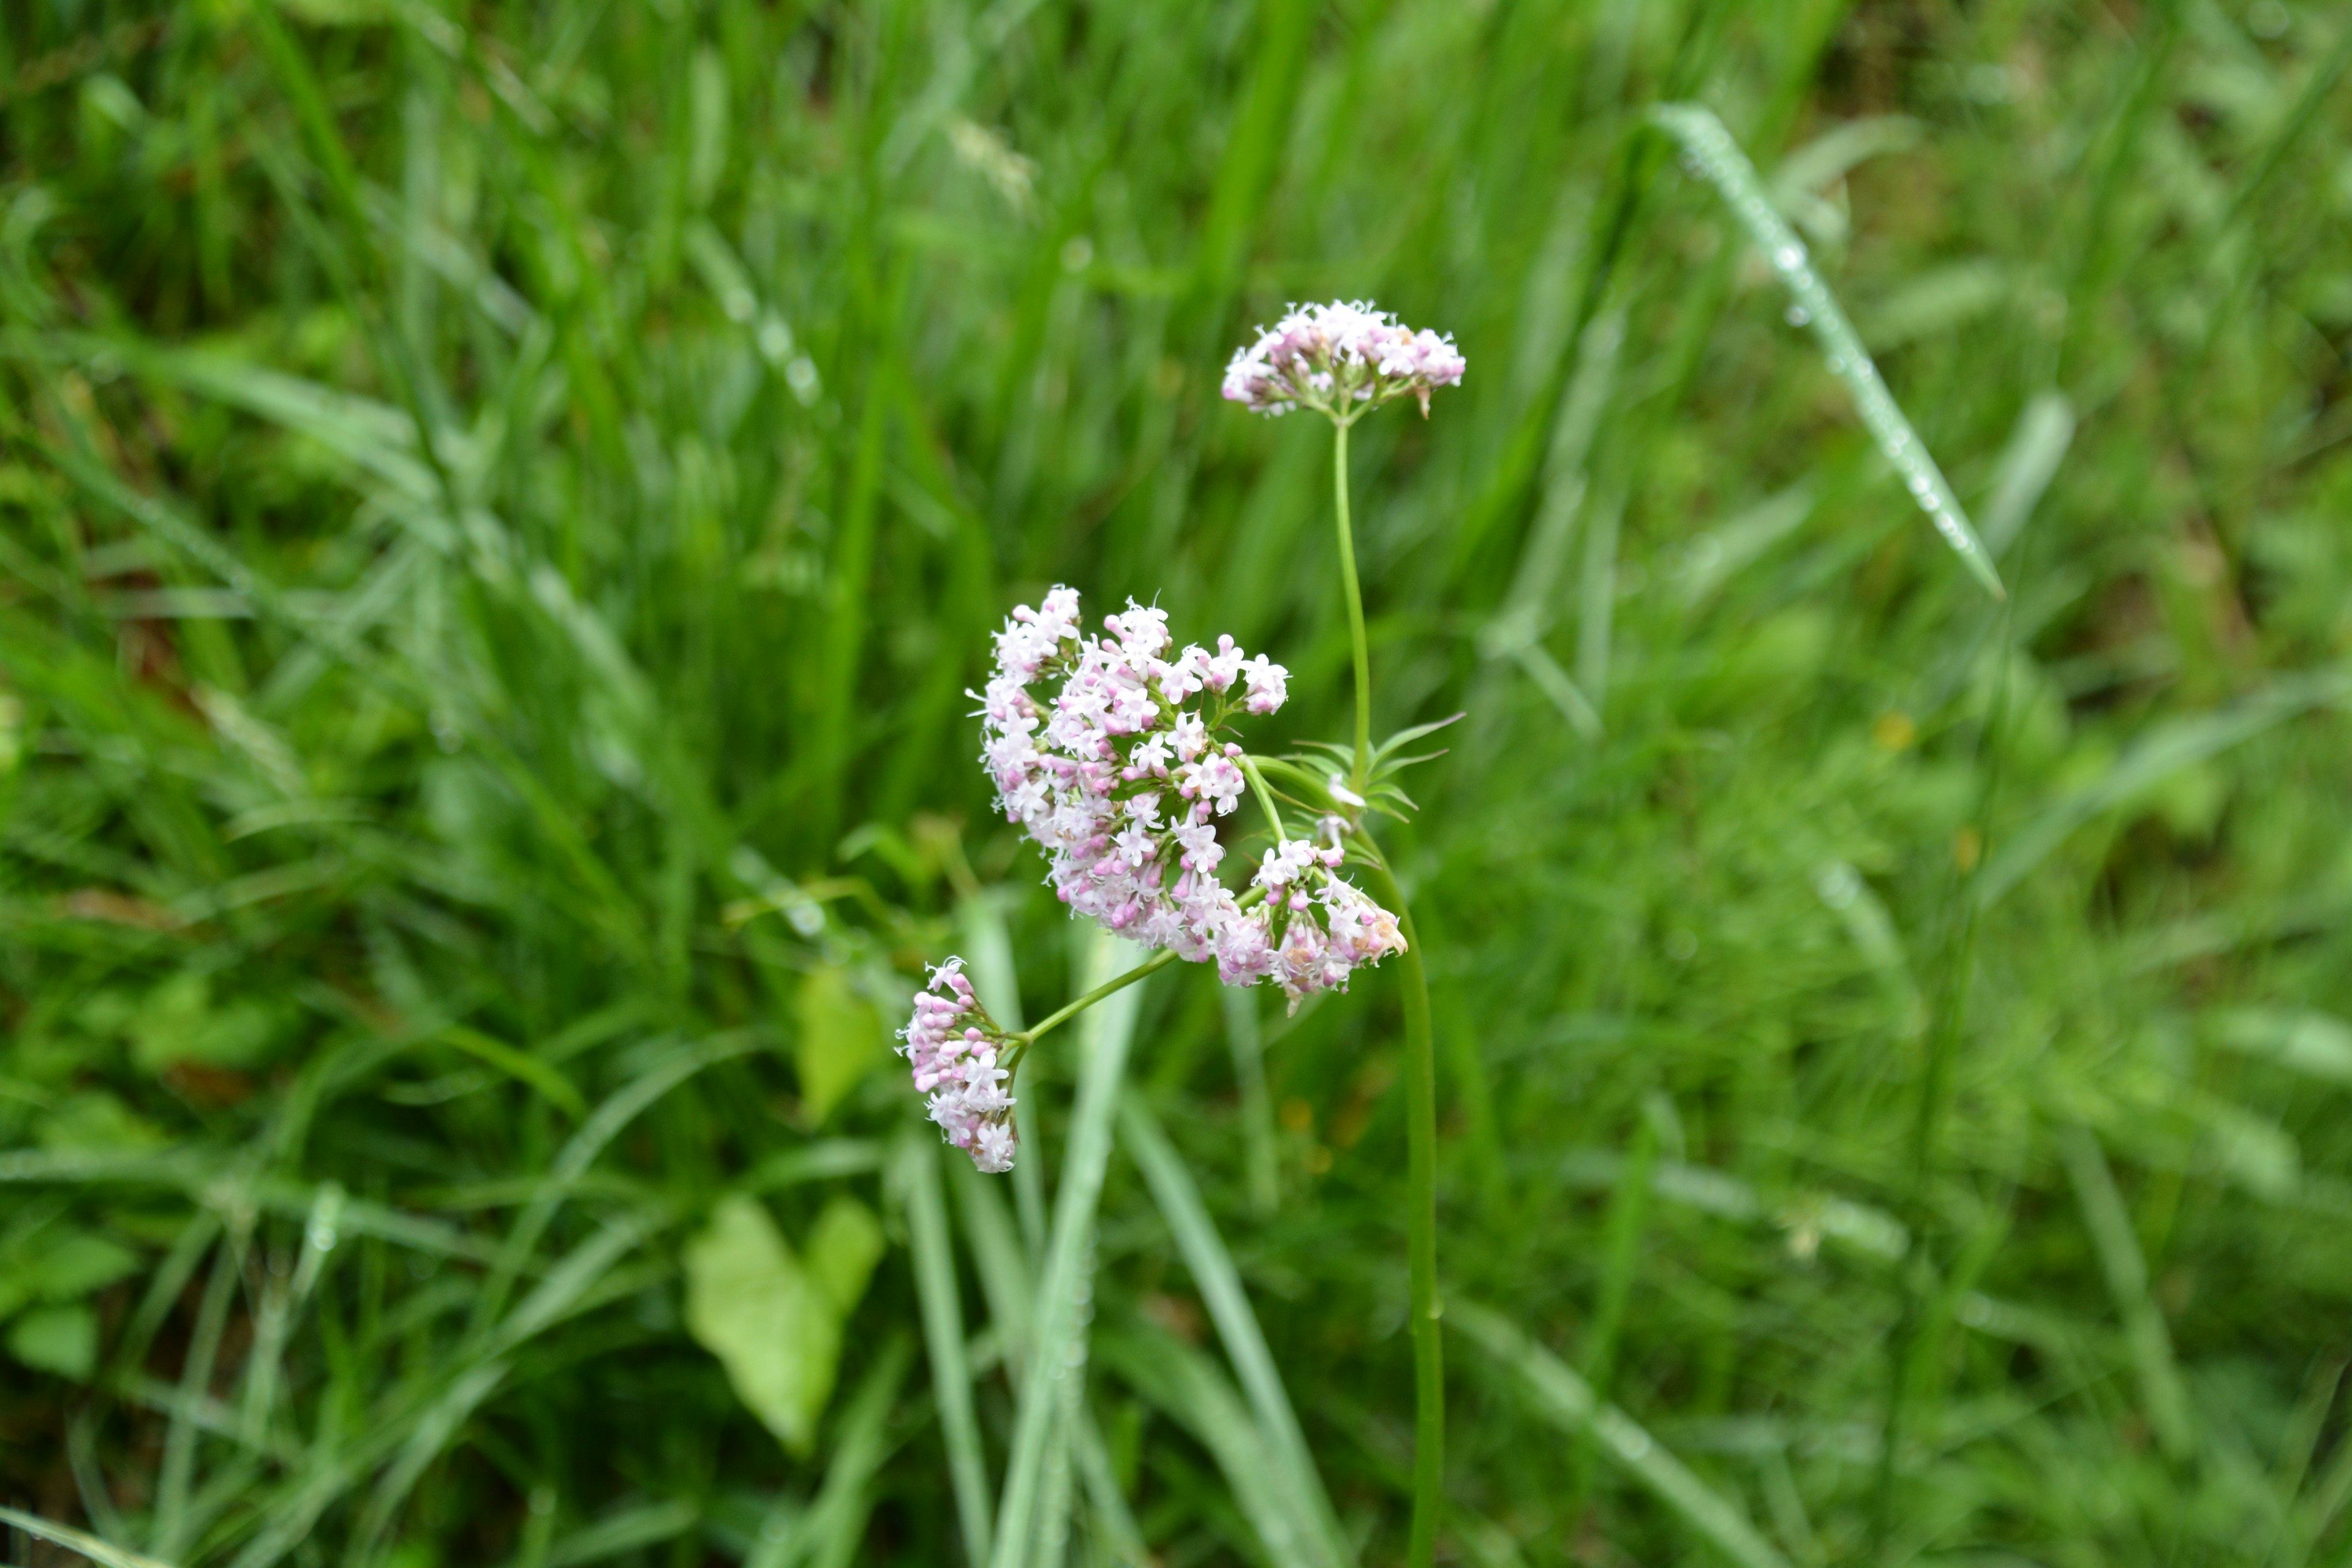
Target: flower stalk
1108, 752
1023, 1040
1358, 778
1343, 360
1420, 1228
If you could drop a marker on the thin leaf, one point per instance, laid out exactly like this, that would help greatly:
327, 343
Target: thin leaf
1221, 1290
1562, 1397
1058, 1336
916, 1172
1717, 157
76, 1540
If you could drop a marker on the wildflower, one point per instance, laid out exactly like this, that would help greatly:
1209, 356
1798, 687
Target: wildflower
954, 1046
1340, 359
1106, 751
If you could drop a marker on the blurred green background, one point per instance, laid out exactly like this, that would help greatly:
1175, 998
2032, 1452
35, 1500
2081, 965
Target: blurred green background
500, 504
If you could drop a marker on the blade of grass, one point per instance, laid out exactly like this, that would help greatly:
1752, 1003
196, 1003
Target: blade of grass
169, 1535
988, 945
1247, 1042
78, 1542
1623, 1232
2121, 1262
2036, 448
682, 1062
916, 1167
1182, 1381
836, 1522
1058, 1340
2166, 750
1221, 1290
1562, 1397
1717, 157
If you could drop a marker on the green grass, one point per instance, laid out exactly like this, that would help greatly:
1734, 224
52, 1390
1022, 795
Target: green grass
499, 508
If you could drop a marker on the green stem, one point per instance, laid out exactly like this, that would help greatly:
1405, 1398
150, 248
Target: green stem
1265, 798
1420, 1217
1360, 777
1157, 961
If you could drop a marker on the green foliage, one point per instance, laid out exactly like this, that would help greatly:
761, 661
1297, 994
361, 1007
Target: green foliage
775, 1320
841, 1040
501, 504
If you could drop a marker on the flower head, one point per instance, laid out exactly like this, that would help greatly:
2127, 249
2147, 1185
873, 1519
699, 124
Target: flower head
952, 1046
1108, 750
1340, 359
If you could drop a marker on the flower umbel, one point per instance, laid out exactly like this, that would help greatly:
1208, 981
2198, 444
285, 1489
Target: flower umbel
1120, 776
1342, 359
954, 1046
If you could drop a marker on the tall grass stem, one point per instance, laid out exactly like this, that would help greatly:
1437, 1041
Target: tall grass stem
1420, 1218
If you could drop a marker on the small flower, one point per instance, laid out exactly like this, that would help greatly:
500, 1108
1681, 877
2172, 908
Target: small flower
1085, 738
1269, 686
952, 1046
1340, 359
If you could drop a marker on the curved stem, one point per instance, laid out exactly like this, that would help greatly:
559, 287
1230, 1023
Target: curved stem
1360, 777
1161, 960
1265, 798
1421, 1137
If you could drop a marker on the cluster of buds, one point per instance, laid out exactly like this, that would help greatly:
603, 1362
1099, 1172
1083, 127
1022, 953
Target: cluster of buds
1121, 774
1340, 359
954, 1047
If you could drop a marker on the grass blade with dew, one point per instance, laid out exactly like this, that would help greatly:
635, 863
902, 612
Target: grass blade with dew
1220, 1285
1565, 1400
1717, 158
1058, 1339
915, 1171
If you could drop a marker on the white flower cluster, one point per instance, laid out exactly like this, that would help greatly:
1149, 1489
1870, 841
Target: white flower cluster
1339, 357
1120, 783
954, 1045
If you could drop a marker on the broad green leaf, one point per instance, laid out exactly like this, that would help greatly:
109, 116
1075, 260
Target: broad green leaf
60, 1265
75, 1265
842, 1249
62, 1340
773, 1321
179, 1023
841, 1039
